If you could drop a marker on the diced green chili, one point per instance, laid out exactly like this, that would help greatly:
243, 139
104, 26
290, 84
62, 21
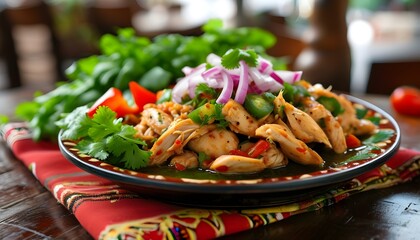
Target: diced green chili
331, 104
258, 106
166, 96
204, 114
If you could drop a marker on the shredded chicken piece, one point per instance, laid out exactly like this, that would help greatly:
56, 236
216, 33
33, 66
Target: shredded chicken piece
332, 128
215, 143
172, 140
187, 159
240, 121
237, 164
348, 119
302, 125
293, 148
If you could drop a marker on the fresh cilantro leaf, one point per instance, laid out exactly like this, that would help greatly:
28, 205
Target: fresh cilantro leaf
94, 149
231, 58
371, 150
361, 112
367, 152
131, 155
106, 138
27, 110
75, 125
213, 25
3, 119
380, 136
219, 117
203, 95
104, 123
374, 120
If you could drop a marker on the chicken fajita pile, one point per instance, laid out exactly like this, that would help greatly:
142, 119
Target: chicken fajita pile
232, 114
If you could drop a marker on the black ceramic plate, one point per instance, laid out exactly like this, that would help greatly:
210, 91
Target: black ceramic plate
273, 187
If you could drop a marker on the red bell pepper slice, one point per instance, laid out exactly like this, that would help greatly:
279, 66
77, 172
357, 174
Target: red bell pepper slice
260, 147
113, 99
352, 141
141, 95
238, 153
253, 152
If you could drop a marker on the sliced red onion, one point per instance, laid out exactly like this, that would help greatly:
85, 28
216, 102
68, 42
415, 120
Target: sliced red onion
244, 79
260, 81
298, 76
187, 70
276, 77
242, 89
264, 66
213, 77
211, 72
194, 78
253, 88
183, 86
226, 93
289, 76
180, 89
214, 60
193, 81
235, 79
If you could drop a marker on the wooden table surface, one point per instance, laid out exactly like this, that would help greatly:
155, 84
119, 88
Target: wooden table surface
29, 211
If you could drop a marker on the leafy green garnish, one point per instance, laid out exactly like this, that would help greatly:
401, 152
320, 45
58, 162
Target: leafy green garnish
371, 150
380, 136
203, 94
105, 137
231, 58
361, 112
219, 117
3, 119
367, 152
374, 120
127, 57
166, 96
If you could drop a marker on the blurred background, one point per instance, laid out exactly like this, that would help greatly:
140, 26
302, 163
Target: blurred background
355, 45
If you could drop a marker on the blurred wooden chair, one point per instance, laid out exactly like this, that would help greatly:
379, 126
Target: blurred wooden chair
108, 16
29, 13
384, 77
8, 53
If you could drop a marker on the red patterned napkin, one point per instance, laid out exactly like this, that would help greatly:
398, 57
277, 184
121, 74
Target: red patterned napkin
107, 211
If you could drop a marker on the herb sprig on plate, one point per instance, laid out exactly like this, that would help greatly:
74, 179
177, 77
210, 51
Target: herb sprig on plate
105, 137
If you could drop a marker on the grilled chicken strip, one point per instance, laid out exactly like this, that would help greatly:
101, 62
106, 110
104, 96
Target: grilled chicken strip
187, 159
240, 121
348, 119
237, 164
156, 119
293, 148
302, 125
172, 140
272, 157
215, 143
332, 128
